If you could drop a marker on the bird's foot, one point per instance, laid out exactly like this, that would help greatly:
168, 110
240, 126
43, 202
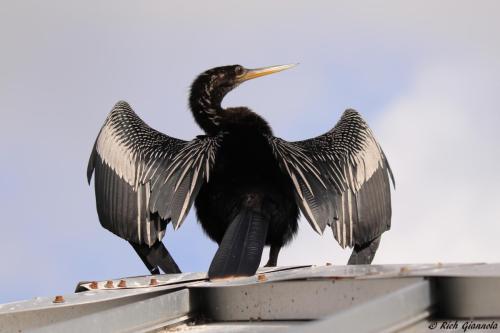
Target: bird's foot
271, 264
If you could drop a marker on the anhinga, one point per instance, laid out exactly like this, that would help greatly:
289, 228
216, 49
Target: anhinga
247, 185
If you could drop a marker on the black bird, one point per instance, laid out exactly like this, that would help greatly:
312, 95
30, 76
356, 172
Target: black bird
247, 185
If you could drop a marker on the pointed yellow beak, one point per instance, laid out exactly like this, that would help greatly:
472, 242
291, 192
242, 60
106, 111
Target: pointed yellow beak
258, 72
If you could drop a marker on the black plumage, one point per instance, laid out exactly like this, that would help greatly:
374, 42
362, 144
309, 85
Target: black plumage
246, 184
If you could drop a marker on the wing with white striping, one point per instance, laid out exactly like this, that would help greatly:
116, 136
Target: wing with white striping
144, 179
341, 179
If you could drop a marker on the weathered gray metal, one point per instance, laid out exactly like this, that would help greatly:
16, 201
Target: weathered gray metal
132, 311
292, 300
349, 298
142, 281
384, 313
352, 272
468, 297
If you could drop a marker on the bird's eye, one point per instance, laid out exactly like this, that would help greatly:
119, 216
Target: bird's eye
238, 70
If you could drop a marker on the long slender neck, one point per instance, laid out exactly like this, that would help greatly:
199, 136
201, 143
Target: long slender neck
205, 103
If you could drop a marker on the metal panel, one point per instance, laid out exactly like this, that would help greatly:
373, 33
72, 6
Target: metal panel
470, 270
162, 279
349, 271
142, 281
234, 327
384, 313
468, 297
351, 298
291, 300
131, 312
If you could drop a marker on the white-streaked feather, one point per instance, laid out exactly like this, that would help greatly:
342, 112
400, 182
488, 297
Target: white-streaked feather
348, 156
146, 159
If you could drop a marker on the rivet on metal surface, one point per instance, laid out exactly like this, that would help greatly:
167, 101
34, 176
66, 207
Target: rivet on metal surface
93, 285
109, 284
122, 284
58, 299
261, 277
404, 270
153, 282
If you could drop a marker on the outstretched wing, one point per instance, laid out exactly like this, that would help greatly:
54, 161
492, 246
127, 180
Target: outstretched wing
341, 179
143, 178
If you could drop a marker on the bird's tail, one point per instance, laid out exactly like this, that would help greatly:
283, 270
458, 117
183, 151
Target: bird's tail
155, 257
241, 248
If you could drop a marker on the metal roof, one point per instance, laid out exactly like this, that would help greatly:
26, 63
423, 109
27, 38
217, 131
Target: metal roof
365, 298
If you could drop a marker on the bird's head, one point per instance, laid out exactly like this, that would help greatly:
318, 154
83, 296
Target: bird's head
210, 87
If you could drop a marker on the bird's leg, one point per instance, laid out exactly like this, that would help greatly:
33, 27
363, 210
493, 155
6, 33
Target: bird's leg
156, 257
273, 256
363, 254
142, 251
164, 260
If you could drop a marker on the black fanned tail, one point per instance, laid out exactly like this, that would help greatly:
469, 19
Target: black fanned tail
241, 248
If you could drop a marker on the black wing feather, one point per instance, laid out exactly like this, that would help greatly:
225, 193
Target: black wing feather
143, 178
341, 179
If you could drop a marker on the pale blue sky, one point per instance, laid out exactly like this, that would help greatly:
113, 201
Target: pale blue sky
425, 75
